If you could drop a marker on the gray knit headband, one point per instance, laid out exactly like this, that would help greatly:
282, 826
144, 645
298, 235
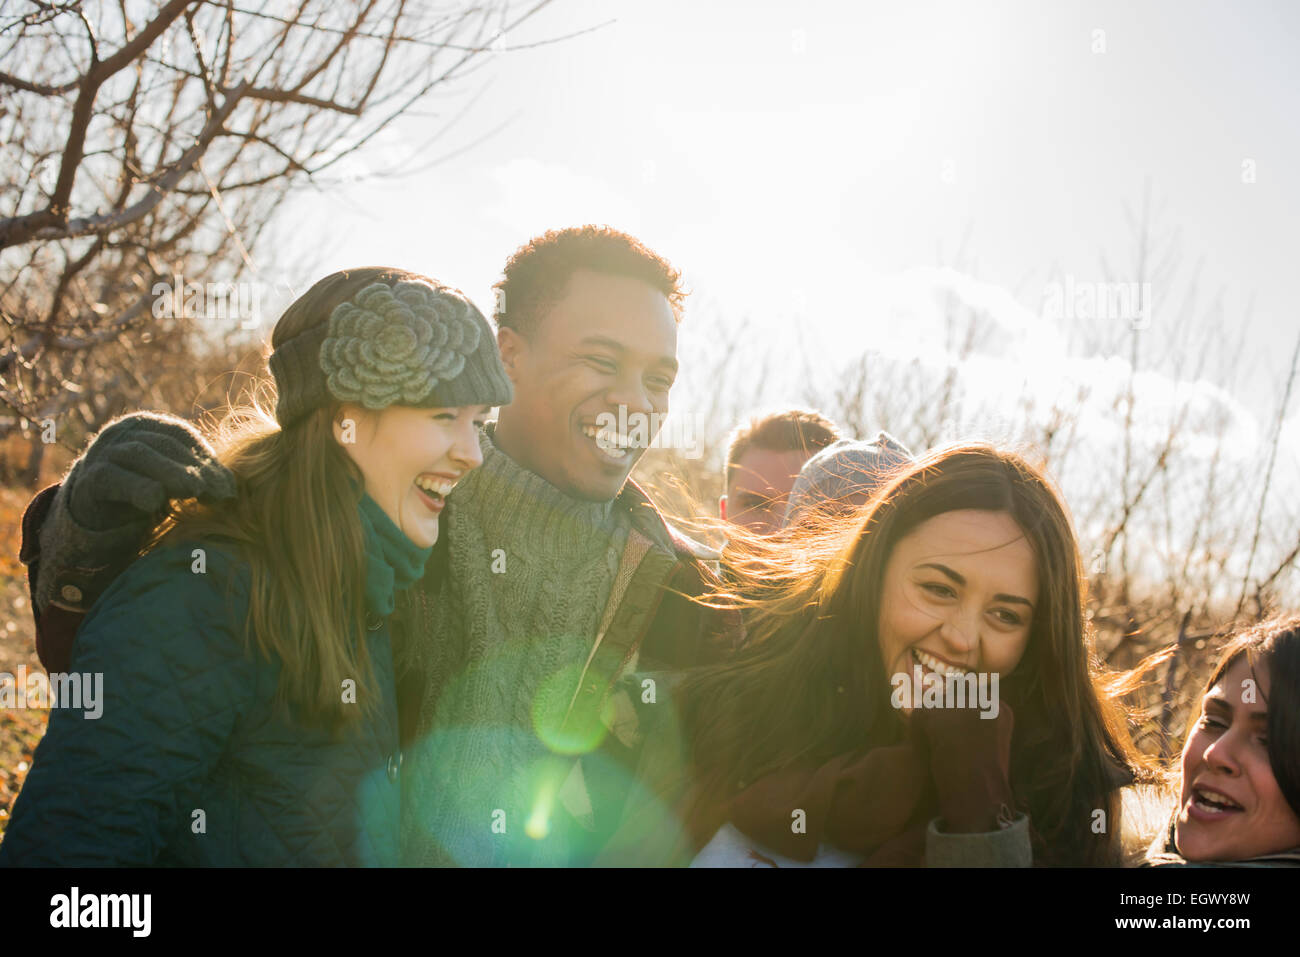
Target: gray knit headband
393, 343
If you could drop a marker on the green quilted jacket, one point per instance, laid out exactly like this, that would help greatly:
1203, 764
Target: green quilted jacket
188, 763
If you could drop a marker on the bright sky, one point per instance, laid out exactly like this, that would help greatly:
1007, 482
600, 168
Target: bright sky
812, 166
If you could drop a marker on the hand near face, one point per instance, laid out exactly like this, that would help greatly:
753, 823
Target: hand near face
970, 762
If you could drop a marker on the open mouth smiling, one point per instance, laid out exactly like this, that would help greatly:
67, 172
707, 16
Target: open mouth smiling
433, 490
614, 446
930, 663
1212, 802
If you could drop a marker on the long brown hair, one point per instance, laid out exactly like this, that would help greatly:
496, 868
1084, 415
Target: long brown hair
810, 683
296, 524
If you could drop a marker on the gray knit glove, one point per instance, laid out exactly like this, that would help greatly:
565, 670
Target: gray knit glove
114, 495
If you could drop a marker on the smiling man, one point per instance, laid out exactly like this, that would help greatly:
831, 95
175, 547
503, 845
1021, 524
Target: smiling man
589, 325
562, 578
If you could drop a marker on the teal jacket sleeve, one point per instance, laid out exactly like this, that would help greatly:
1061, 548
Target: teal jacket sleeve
163, 677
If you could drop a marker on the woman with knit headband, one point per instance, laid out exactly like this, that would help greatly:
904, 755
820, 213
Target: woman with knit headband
248, 712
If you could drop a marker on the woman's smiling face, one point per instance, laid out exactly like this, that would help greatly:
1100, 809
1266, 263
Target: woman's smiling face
959, 593
411, 458
1231, 807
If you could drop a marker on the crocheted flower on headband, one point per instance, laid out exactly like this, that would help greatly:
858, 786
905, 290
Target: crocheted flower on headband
392, 344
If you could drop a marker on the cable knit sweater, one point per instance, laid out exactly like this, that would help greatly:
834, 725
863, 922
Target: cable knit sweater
503, 641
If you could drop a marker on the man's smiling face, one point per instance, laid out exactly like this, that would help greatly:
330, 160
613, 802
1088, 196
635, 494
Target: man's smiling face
609, 341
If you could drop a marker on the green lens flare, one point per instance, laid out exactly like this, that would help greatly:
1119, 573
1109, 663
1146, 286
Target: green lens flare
539, 821
567, 724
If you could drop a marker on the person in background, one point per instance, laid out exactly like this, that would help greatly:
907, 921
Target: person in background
763, 460
841, 477
1239, 781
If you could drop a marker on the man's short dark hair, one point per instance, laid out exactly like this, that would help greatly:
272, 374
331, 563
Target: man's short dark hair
794, 430
538, 272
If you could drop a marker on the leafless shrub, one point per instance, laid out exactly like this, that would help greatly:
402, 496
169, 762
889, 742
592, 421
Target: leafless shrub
135, 151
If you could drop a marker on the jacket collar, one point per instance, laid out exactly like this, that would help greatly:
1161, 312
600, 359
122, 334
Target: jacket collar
649, 521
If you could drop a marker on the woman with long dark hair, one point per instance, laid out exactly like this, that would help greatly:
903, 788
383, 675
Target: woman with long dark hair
820, 742
1239, 780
